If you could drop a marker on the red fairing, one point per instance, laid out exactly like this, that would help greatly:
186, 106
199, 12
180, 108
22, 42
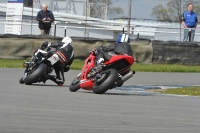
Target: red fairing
86, 84
114, 58
89, 63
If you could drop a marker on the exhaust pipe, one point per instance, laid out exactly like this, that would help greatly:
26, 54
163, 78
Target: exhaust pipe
123, 79
128, 76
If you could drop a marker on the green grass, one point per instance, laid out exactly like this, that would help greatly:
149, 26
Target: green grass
190, 91
151, 67
8, 63
11, 63
165, 68
78, 64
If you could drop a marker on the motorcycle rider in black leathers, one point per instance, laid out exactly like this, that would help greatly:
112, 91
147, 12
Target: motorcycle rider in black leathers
121, 46
65, 54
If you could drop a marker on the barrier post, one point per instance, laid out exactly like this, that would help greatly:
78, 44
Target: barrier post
65, 31
138, 35
55, 30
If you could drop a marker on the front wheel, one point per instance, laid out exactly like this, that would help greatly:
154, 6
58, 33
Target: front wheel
34, 76
21, 81
106, 81
75, 85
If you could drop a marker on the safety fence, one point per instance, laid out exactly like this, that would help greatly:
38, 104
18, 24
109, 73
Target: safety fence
152, 19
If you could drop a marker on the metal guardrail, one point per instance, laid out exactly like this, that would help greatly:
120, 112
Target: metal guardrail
65, 27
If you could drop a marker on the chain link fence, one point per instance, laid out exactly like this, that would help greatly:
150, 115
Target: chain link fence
105, 19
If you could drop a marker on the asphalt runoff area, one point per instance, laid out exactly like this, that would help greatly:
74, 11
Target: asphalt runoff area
47, 108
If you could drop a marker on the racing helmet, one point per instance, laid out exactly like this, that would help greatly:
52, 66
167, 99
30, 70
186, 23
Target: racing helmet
67, 40
123, 38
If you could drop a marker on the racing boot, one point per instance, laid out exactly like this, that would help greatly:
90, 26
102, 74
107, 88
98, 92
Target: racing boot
100, 61
59, 82
99, 65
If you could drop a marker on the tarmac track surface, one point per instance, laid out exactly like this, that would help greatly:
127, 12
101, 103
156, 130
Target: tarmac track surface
48, 108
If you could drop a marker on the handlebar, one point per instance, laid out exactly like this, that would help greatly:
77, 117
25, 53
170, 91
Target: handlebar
94, 51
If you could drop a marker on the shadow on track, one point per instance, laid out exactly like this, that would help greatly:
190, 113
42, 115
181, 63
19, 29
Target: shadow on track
119, 93
50, 85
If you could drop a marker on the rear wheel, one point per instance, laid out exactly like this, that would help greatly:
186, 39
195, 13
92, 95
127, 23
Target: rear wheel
34, 76
75, 85
106, 81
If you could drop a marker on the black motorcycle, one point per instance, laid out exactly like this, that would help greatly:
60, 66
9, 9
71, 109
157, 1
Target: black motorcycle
39, 66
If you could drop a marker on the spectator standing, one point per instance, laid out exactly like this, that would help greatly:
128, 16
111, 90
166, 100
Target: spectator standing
189, 22
45, 18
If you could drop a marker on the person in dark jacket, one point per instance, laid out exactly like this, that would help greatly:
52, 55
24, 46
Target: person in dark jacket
122, 46
64, 56
45, 18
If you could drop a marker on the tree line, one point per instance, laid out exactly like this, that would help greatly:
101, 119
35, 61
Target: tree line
173, 11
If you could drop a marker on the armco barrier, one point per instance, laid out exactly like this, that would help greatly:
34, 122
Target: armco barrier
21, 47
174, 52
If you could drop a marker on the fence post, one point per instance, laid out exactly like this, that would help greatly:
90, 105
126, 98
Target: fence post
138, 35
180, 22
55, 30
129, 17
65, 31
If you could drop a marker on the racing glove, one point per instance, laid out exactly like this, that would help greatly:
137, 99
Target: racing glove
45, 45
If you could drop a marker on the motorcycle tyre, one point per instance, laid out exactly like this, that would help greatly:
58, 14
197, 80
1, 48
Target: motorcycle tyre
21, 81
75, 86
34, 76
107, 84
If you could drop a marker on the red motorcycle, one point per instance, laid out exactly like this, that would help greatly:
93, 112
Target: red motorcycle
112, 73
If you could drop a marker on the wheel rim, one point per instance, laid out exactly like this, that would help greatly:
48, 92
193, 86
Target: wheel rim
104, 76
76, 80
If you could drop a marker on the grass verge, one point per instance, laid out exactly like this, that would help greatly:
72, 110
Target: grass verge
190, 91
165, 68
77, 65
8, 63
11, 63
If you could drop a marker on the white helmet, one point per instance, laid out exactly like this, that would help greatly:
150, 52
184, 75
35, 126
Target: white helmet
67, 40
